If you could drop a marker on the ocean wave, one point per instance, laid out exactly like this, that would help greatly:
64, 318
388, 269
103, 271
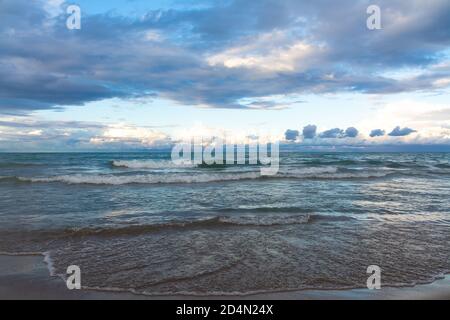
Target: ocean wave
143, 179
308, 171
148, 164
211, 222
200, 223
183, 178
168, 164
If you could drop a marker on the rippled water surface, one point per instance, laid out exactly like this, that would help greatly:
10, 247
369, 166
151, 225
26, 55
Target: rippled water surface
137, 222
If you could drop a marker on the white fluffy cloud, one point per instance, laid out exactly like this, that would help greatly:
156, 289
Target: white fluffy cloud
430, 120
127, 134
269, 52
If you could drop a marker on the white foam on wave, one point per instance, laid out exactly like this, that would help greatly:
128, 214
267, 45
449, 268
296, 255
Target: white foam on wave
48, 260
109, 179
309, 171
145, 179
148, 164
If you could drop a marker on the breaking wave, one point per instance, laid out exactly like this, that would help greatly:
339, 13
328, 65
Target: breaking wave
148, 164
143, 179
196, 177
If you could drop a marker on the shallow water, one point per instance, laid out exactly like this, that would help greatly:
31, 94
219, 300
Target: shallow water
134, 221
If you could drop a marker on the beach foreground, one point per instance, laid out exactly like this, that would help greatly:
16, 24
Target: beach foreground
27, 277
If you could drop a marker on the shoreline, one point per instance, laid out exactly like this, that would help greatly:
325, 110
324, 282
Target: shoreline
27, 277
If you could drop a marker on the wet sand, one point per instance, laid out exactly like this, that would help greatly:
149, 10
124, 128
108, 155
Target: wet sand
27, 277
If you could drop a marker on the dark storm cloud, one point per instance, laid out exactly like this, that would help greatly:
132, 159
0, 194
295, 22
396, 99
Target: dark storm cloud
291, 135
401, 132
309, 131
377, 133
43, 65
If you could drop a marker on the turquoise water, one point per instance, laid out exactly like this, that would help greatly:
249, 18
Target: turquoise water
136, 222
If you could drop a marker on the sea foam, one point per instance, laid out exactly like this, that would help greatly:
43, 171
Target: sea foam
148, 164
201, 177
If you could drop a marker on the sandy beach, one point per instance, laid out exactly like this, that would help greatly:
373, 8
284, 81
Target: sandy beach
27, 277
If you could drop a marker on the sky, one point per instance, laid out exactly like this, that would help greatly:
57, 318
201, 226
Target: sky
139, 74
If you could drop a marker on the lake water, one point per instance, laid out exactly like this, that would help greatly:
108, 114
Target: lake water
136, 222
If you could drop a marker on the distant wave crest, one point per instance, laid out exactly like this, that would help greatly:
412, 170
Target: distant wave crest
147, 164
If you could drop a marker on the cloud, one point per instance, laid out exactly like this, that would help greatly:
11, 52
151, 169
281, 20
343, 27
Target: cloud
337, 133
19, 133
193, 57
309, 131
377, 133
291, 135
429, 117
25, 133
351, 132
130, 135
332, 133
401, 132
263, 54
